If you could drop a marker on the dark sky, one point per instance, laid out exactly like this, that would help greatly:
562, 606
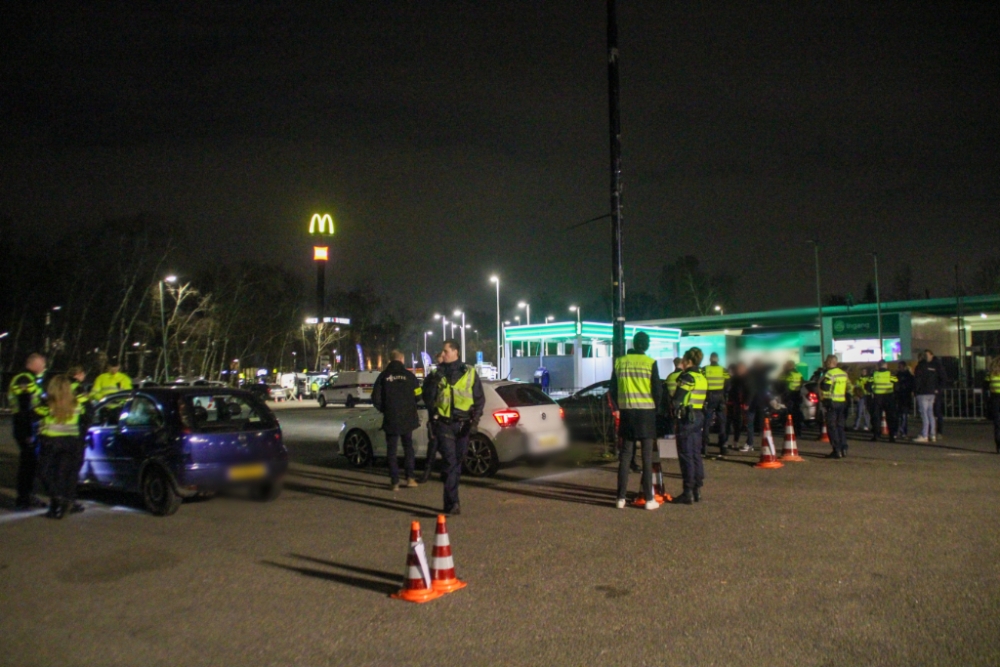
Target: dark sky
453, 139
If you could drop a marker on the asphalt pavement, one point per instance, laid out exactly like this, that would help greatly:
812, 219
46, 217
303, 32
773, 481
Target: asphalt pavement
888, 557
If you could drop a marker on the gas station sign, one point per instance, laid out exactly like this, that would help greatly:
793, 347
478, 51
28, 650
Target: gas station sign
865, 326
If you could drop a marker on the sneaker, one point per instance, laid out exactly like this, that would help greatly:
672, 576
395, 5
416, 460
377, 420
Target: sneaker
620, 504
933, 438
920, 438
412, 483
745, 448
394, 486
652, 505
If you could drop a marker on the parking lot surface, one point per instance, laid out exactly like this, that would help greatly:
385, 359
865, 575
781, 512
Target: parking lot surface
888, 557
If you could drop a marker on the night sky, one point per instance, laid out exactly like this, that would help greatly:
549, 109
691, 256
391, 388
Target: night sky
454, 139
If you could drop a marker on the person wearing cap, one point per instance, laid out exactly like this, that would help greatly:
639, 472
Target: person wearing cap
689, 402
110, 381
635, 393
24, 396
883, 401
715, 405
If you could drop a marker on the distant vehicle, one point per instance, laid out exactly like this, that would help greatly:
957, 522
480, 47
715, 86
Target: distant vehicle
269, 392
349, 388
588, 413
171, 443
519, 421
195, 382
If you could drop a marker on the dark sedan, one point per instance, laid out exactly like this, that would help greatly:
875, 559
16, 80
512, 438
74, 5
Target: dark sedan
588, 413
167, 444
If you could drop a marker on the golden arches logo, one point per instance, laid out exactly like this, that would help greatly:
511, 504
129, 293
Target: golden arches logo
321, 224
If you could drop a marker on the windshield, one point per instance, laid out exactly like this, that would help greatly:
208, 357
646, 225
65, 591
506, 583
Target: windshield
523, 395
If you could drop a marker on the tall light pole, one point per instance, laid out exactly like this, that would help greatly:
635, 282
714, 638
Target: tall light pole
444, 325
163, 326
426, 334
719, 310
495, 279
579, 324
462, 313
878, 308
527, 309
819, 304
615, 132
2, 336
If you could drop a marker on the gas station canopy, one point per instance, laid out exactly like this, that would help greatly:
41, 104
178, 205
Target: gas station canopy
567, 332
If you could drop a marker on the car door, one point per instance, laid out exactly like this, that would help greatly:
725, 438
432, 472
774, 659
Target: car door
141, 432
101, 442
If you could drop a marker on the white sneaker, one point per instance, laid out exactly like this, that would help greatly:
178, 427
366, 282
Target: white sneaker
652, 505
933, 438
620, 504
745, 448
920, 438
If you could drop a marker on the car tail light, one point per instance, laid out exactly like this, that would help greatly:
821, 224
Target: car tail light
506, 417
813, 397
562, 414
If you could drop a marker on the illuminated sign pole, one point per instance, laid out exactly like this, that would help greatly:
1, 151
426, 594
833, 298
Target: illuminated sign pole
321, 224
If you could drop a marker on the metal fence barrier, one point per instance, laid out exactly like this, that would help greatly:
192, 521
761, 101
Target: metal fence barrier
965, 404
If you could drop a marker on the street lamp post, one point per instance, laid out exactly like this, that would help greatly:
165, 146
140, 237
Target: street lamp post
163, 328
462, 313
444, 325
819, 303
495, 279
527, 321
719, 310
878, 309
426, 334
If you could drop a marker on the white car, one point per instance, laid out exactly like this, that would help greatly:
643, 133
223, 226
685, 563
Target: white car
349, 388
519, 420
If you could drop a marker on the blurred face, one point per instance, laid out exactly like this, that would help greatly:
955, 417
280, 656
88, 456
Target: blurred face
741, 369
928, 355
714, 359
449, 354
36, 365
113, 369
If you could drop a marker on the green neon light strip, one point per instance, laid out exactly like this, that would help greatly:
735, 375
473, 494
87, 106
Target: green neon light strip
590, 331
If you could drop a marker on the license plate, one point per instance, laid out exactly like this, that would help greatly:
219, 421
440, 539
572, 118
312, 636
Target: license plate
243, 473
548, 441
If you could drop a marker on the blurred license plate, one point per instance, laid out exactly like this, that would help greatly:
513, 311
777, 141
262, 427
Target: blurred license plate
546, 441
242, 473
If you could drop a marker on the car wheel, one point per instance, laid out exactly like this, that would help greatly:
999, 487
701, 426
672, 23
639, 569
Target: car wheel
358, 449
158, 494
268, 491
481, 458
322, 401
350, 402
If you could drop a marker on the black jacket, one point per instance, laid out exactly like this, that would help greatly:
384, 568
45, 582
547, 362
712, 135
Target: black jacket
453, 372
930, 377
904, 385
395, 395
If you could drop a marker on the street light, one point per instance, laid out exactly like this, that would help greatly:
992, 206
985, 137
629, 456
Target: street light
426, 334
163, 326
819, 303
576, 309
444, 323
495, 279
527, 310
462, 313
718, 309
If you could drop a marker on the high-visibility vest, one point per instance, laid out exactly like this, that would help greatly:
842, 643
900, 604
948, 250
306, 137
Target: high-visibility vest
995, 385
50, 427
696, 386
458, 396
670, 384
81, 396
882, 382
635, 382
793, 380
716, 376
836, 379
108, 383
24, 393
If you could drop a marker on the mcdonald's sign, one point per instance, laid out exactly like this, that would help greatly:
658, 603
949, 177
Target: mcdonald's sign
321, 224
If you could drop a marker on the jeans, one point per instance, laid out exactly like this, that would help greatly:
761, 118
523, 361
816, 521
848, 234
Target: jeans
715, 408
903, 407
863, 419
625, 459
925, 404
689, 452
452, 446
836, 422
392, 444
751, 421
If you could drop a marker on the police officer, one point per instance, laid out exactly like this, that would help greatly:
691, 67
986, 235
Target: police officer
395, 395
666, 406
833, 388
993, 386
456, 401
110, 381
24, 396
883, 401
715, 405
636, 391
689, 402
791, 378
59, 431
432, 441
862, 391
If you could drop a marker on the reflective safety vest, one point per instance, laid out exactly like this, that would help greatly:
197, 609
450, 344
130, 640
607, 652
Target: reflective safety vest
635, 386
793, 379
834, 385
995, 385
716, 376
49, 427
864, 384
458, 395
81, 395
108, 383
24, 393
670, 384
882, 382
696, 386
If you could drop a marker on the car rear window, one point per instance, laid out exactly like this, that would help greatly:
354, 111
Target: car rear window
226, 412
523, 395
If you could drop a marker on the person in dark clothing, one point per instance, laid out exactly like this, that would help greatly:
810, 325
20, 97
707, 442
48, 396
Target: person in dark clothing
395, 395
24, 396
689, 403
456, 400
757, 398
432, 441
930, 379
904, 399
736, 401
636, 391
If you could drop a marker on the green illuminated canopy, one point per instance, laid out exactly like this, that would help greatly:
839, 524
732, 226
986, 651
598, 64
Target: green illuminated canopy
566, 332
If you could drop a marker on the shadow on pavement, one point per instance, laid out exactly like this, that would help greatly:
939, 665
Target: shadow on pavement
393, 577
382, 587
338, 479
421, 511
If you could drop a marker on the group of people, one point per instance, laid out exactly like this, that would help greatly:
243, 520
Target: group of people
50, 420
453, 394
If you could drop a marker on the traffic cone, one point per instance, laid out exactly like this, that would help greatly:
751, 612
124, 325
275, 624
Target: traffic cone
790, 448
415, 588
824, 436
885, 427
443, 579
768, 459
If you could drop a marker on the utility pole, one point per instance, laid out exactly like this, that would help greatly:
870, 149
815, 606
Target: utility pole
819, 306
961, 330
615, 129
878, 310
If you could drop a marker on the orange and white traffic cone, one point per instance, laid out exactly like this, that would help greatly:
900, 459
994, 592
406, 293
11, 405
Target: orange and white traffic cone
768, 459
824, 436
443, 579
790, 448
416, 588
885, 427
658, 490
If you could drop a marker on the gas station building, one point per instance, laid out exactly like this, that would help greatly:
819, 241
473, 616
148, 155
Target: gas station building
966, 328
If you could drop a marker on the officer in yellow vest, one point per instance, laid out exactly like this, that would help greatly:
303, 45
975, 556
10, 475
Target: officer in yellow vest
110, 381
715, 405
59, 431
24, 396
883, 388
791, 378
666, 407
454, 396
635, 393
689, 402
993, 386
833, 388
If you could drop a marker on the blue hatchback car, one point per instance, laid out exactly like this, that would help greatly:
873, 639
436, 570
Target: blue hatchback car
168, 443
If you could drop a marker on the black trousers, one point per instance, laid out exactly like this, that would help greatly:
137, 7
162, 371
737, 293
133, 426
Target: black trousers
63, 460
625, 458
453, 447
689, 451
715, 407
734, 420
793, 401
391, 449
884, 403
432, 448
836, 425
27, 467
